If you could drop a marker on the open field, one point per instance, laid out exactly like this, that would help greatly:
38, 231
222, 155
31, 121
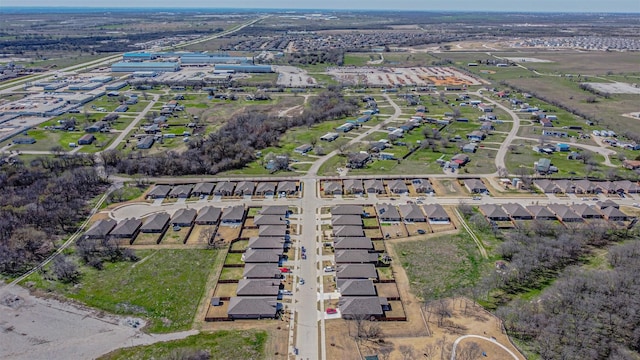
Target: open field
220, 345
165, 286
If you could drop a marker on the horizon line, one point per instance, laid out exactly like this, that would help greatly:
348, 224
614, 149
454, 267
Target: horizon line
68, 7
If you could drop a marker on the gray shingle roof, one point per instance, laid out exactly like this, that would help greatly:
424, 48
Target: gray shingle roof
411, 212
352, 243
184, 217
260, 220
258, 287
360, 306
208, 214
337, 220
356, 271
233, 214
355, 257
155, 222
101, 228
347, 210
261, 271
126, 228
356, 287
272, 230
252, 306
347, 230
274, 210
266, 243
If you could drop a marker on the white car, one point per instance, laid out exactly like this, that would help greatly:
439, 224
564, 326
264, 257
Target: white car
329, 269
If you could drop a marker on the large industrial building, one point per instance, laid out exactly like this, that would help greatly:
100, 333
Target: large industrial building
145, 66
248, 68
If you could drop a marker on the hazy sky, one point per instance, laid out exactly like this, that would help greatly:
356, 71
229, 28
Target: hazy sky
463, 5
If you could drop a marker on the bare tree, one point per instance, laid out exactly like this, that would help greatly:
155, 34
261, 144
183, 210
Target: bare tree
429, 351
65, 269
407, 352
469, 351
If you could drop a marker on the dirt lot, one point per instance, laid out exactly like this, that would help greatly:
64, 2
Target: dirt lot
146, 239
196, 238
388, 290
225, 290
228, 233
395, 230
414, 76
249, 233
412, 228
445, 187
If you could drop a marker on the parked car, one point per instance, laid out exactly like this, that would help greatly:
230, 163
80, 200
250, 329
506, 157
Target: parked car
421, 232
304, 256
328, 269
301, 281
332, 311
285, 270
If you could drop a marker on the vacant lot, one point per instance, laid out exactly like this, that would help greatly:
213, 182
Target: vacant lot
219, 345
164, 286
440, 265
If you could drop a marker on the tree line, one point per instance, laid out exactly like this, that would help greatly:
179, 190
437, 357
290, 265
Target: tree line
42, 202
234, 145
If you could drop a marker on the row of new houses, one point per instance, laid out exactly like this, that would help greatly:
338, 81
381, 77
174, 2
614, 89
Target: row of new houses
224, 188
374, 186
353, 251
575, 213
259, 292
159, 222
586, 186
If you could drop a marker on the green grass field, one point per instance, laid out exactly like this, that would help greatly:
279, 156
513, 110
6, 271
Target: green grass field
165, 286
219, 345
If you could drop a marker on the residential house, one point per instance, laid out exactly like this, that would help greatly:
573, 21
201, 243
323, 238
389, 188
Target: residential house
541, 212
203, 189
517, 211
476, 135
356, 287
387, 212
266, 242
274, 231
585, 187
329, 136
233, 215
303, 149
261, 271
272, 256
494, 212
376, 147
563, 147
265, 189
343, 220
244, 188
631, 164
626, 186
346, 127
353, 186
469, 148
554, 133
352, 243
397, 186
224, 188
96, 126
614, 214
564, 213
126, 229
586, 211
184, 217
546, 186
145, 143
100, 229
261, 219
543, 165
347, 210
159, 192
287, 187
422, 186
475, 186
362, 307
281, 210
565, 186
460, 159
86, 139
546, 122
411, 213
355, 257
258, 287
253, 307
606, 204
605, 187
348, 231
156, 223
208, 215
356, 271
374, 186
181, 191
486, 126
358, 160
25, 140
332, 187
436, 214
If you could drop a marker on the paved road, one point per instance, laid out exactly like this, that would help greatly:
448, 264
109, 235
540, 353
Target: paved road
455, 345
134, 123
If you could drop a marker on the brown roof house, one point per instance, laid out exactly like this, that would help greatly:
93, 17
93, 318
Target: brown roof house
356, 257
208, 215
564, 213
282, 210
126, 229
258, 287
475, 186
156, 223
253, 307
586, 211
224, 188
100, 229
261, 271
352, 243
411, 213
273, 231
387, 212
436, 214
159, 191
339, 220
287, 187
356, 287
203, 188
265, 189
181, 191
362, 307
613, 214
347, 210
262, 256
356, 271
260, 220
374, 186
397, 186
494, 212
244, 188
266, 243
422, 186
348, 231
353, 186
332, 187
232, 215
517, 211
184, 217
541, 212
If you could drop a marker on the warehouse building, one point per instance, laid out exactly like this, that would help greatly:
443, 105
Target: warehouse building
145, 66
246, 68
